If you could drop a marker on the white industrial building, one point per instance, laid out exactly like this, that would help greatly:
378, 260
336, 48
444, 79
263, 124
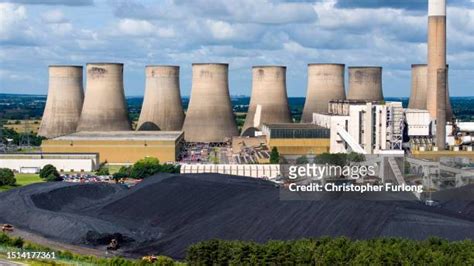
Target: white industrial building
265, 171
365, 127
64, 162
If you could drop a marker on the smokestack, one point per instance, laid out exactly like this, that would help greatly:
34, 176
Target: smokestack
269, 101
419, 86
441, 108
104, 106
365, 83
325, 83
162, 108
436, 50
64, 103
209, 117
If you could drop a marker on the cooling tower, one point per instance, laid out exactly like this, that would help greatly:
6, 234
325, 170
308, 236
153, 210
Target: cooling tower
209, 117
365, 83
419, 85
104, 106
436, 51
162, 108
269, 101
325, 83
64, 102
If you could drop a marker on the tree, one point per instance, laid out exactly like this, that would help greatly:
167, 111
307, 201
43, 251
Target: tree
302, 160
7, 177
274, 156
50, 173
103, 170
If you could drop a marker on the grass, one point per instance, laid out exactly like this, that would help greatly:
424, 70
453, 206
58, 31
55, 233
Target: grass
23, 180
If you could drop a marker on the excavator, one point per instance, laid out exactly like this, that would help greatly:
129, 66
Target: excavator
114, 245
7, 228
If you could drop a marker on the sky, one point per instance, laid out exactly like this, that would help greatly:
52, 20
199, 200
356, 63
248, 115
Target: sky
243, 33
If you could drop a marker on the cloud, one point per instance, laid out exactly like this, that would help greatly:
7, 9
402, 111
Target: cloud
244, 11
143, 28
14, 27
52, 2
55, 16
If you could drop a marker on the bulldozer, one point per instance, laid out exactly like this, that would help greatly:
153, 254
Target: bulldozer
114, 245
7, 228
149, 259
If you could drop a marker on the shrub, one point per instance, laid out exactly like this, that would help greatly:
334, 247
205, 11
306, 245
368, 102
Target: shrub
47, 171
333, 251
7, 177
274, 156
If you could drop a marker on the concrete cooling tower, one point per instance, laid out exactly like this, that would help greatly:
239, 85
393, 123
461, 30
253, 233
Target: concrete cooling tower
162, 108
209, 117
325, 83
104, 106
64, 103
269, 100
365, 83
419, 90
419, 86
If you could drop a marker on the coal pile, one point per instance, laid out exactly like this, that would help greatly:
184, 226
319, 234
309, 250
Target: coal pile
166, 213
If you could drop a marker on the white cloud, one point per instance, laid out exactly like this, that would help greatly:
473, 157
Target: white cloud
54, 16
143, 28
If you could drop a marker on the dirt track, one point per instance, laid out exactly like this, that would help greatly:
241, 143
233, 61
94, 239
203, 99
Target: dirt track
165, 214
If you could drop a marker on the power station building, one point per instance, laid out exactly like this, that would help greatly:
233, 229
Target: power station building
64, 101
364, 127
325, 83
269, 100
209, 117
297, 139
120, 147
162, 108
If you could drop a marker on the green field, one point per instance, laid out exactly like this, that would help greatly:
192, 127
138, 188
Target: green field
23, 180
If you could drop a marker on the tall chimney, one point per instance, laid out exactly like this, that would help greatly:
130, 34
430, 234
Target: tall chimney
104, 106
209, 117
365, 83
269, 96
325, 83
162, 108
64, 102
436, 49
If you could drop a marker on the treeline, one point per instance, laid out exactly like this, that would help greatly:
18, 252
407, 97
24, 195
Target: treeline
333, 251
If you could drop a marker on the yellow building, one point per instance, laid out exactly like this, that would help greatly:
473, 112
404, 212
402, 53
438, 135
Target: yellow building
120, 147
436, 155
297, 139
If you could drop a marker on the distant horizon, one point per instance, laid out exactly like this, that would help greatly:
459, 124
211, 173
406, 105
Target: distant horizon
232, 95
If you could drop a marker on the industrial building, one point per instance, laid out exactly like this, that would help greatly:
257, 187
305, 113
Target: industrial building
265, 171
162, 108
120, 147
325, 83
64, 102
365, 127
104, 106
209, 117
64, 162
269, 100
297, 139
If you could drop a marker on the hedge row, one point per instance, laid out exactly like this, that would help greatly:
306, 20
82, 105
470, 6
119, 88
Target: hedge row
333, 251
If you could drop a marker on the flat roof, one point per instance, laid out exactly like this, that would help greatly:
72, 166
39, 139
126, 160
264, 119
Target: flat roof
293, 126
123, 135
